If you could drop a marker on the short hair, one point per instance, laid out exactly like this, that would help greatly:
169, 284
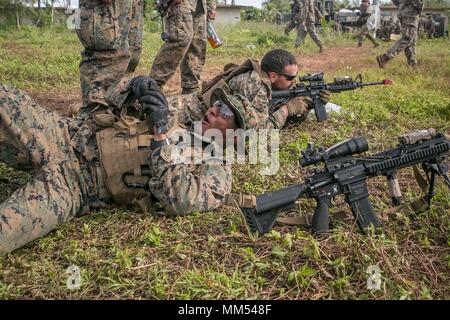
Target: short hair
276, 60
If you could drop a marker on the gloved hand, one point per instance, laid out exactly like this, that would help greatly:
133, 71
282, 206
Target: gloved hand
325, 95
141, 84
155, 109
106, 2
299, 106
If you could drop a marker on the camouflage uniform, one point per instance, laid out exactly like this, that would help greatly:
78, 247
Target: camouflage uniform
63, 154
295, 11
186, 45
253, 92
364, 31
408, 14
107, 34
305, 26
136, 33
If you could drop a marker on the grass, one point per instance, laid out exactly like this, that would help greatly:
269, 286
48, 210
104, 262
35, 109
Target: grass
125, 254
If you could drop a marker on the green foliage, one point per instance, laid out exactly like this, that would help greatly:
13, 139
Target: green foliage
130, 255
271, 39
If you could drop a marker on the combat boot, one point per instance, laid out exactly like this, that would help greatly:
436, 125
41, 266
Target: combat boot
321, 49
382, 60
359, 44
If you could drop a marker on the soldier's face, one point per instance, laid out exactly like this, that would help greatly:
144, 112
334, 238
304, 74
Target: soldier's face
214, 119
286, 79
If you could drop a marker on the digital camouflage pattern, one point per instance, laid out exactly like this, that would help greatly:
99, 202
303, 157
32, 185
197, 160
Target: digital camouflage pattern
304, 13
183, 186
251, 94
107, 30
136, 34
186, 46
408, 14
63, 153
35, 138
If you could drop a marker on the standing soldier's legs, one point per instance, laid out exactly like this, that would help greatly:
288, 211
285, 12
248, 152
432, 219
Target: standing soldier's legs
301, 34
194, 60
104, 34
290, 26
135, 35
40, 140
372, 39
410, 52
180, 27
313, 34
408, 39
360, 37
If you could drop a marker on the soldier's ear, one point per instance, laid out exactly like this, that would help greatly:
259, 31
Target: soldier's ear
273, 76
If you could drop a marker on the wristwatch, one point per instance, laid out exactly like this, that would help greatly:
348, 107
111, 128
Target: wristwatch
158, 144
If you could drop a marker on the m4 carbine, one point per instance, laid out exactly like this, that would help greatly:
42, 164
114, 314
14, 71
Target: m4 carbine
345, 174
312, 89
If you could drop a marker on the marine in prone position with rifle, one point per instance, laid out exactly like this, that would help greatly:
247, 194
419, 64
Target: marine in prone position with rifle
344, 173
268, 88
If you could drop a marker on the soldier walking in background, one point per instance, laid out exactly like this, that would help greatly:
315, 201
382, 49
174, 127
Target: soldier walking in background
308, 15
295, 11
108, 28
365, 12
186, 43
408, 13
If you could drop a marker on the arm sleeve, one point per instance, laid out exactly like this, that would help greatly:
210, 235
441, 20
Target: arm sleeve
186, 188
254, 94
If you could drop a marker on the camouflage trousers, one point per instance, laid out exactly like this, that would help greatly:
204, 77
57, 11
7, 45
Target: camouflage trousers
407, 42
364, 33
290, 26
112, 38
186, 47
307, 28
35, 138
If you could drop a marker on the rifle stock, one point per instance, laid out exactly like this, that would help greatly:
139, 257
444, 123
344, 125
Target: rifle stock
269, 205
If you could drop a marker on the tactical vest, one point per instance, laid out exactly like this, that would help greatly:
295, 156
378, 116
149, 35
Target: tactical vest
124, 150
230, 71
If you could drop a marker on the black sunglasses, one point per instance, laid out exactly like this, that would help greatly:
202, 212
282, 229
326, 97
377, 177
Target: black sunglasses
288, 76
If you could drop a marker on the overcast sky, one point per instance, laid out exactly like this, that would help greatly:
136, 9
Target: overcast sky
255, 3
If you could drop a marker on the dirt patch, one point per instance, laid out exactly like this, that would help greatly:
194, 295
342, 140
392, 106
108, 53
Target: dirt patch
60, 102
336, 59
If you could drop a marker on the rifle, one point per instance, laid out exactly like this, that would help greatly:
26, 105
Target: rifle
312, 90
162, 6
345, 174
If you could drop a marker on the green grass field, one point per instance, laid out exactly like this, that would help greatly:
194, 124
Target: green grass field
126, 254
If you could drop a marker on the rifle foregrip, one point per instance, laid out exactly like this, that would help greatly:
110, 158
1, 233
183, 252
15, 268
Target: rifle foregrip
321, 218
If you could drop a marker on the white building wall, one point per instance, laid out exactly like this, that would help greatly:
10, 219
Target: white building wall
227, 16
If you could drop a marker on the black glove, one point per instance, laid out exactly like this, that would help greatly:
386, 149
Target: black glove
141, 84
156, 110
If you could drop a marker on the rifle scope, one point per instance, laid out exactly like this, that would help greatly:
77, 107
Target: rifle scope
312, 77
345, 148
